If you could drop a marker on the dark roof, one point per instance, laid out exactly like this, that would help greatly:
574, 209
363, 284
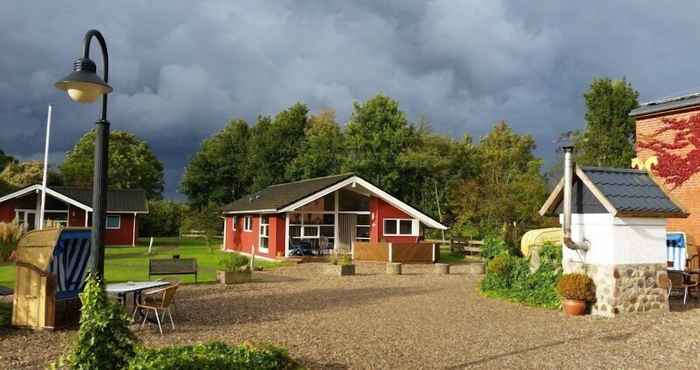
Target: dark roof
118, 200
667, 104
278, 196
632, 192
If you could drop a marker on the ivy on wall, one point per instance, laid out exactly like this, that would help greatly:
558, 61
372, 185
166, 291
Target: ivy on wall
679, 159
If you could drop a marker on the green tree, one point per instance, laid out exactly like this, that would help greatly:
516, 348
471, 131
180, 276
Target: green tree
323, 149
164, 218
219, 172
609, 137
275, 144
508, 191
378, 132
206, 220
132, 164
21, 174
5, 160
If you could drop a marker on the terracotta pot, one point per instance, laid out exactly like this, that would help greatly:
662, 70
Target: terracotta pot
574, 307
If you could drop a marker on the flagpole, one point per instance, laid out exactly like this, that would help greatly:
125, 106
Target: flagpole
46, 170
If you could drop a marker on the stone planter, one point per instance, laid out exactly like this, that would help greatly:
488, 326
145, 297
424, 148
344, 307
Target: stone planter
476, 268
393, 268
234, 277
441, 268
574, 307
340, 270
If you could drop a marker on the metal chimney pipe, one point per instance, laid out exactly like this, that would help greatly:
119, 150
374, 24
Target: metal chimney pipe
568, 184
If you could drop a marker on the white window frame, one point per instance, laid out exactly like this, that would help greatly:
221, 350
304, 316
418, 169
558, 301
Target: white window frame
414, 227
119, 224
264, 233
248, 224
234, 220
302, 225
369, 229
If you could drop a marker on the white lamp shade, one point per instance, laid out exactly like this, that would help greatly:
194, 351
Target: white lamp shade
85, 92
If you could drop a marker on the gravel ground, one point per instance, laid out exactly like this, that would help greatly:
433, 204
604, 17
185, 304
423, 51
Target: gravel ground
417, 320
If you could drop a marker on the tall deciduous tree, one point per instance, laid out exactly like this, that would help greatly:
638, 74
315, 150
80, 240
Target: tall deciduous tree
608, 139
219, 172
21, 174
132, 164
378, 132
275, 144
323, 149
508, 190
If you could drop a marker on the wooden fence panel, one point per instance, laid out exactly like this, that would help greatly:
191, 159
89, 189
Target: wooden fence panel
412, 252
365, 251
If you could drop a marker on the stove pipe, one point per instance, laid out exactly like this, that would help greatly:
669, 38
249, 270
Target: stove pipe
568, 184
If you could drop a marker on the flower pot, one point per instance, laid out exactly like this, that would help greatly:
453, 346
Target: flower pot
234, 277
340, 270
574, 307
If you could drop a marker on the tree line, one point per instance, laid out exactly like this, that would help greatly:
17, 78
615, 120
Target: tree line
493, 184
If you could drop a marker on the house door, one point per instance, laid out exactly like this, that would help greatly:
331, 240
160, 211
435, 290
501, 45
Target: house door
346, 231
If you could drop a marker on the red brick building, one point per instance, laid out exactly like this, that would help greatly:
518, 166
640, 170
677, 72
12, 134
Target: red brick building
320, 215
668, 134
70, 206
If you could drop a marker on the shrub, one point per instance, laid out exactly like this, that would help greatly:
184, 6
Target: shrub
10, 233
576, 286
5, 314
104, 339
213, 356
493, 246
233, 262
164, 218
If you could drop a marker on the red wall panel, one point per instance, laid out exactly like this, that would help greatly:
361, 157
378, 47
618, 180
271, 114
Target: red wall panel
7, 211
382, 210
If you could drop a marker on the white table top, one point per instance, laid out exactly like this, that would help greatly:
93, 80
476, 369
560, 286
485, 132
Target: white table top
133, 286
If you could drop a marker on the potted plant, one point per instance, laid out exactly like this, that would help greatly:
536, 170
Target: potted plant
341, 265
234, 269
576, 290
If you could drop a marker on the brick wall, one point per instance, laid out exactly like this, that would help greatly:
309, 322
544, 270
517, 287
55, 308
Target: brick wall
687, 194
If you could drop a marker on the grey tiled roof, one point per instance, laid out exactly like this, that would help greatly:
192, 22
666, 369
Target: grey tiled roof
632, 192
118, 200
278, 196
667, 104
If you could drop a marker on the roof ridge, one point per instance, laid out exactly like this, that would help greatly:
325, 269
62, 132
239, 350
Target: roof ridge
311, 179
613, 169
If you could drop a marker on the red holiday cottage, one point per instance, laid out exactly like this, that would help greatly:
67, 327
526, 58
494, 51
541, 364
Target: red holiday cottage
71, 206
317, 216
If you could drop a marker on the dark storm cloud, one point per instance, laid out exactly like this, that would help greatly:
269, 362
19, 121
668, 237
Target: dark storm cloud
182, 69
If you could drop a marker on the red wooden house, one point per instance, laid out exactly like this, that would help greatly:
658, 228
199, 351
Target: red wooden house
321, 214
71, 206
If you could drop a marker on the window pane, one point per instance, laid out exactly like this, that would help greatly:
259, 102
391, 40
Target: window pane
310, 231
295, 231
406, 227
389, 226
362, 232
265, 219
328, 219
313, 218
112, 222
327, 231
294, 218
363, 219
263, 230
263, 243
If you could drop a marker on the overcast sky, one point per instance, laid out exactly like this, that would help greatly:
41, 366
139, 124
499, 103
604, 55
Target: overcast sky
181, 69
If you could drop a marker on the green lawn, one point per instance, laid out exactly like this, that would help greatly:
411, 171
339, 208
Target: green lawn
454, 259
131, 263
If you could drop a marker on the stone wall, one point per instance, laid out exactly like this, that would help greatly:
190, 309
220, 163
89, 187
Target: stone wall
627, 288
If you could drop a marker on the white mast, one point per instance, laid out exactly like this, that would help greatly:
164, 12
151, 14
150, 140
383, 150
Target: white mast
46, 169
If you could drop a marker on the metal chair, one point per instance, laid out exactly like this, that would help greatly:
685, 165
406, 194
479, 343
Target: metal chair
681, 281
152, 303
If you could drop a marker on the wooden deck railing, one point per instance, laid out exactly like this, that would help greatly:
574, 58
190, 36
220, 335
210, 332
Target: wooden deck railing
395, 252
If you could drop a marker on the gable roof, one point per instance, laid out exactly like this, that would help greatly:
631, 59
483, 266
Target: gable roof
127, 201
667, 104
622, 192
290, 196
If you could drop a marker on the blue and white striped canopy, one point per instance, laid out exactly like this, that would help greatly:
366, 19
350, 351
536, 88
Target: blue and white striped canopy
70, 258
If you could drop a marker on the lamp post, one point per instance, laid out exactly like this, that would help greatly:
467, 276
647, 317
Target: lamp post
83, 85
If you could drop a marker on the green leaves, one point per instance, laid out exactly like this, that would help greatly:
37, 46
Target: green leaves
132, 164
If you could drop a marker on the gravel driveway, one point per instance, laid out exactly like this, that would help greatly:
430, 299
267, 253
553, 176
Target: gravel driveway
417, 320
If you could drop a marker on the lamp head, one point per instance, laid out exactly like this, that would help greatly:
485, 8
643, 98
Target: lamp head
83, 84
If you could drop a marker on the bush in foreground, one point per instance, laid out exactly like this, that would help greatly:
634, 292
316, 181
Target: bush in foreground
213, 356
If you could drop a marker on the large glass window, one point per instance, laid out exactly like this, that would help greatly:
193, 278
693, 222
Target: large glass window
362, 228
248, 223
316, 229
398, 227
264, 232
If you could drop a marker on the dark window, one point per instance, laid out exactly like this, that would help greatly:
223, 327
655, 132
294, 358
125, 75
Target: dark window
390, 227
405, 227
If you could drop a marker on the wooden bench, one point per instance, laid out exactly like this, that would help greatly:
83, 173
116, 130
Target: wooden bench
173, 266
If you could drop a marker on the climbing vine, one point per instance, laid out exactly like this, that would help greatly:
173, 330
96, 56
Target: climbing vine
680, 158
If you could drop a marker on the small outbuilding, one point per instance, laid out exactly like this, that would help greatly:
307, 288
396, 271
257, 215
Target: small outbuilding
617, 235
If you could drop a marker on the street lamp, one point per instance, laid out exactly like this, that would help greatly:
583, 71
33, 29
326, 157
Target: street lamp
83, 85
